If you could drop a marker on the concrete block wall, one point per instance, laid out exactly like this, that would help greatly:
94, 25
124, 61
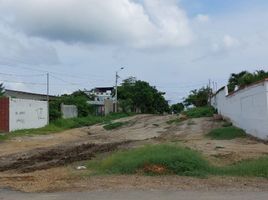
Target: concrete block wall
69, 111
246, 108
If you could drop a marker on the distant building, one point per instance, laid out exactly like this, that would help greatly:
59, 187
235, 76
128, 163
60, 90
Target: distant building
103, 99
27, 95
101, 93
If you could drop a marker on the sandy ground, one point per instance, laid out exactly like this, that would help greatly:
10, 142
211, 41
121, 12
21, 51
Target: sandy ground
136, 194
140, 130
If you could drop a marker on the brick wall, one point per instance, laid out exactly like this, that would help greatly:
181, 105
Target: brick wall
4, 114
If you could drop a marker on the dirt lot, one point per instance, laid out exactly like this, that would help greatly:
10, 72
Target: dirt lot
47, 163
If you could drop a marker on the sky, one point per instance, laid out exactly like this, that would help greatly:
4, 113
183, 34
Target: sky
175, 45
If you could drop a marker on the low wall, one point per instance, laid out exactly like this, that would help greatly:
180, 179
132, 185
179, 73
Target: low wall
246, 108
69, 111
27, 114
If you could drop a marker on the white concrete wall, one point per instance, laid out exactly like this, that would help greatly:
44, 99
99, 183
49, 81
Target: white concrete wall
246, 108
26, 114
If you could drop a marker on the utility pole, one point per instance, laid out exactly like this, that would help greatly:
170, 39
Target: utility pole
48, 97
47, 87
116, 85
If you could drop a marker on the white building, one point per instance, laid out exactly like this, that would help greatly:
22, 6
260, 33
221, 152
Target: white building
103, 99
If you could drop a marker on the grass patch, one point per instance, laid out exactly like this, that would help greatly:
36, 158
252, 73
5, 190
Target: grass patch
114, 125
226, 133
175, 121
155, 159
199, 112
170, 159
227, 124
247, 168
64, 124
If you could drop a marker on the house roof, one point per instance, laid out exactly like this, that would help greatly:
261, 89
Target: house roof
27, 95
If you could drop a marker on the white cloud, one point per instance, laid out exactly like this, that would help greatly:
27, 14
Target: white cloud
202, 18
230, 42
154, 23
16, 49
225, 44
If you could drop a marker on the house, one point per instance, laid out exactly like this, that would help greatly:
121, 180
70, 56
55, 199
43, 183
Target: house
103, 99
101, 93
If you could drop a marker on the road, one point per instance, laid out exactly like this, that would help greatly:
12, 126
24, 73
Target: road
135, 194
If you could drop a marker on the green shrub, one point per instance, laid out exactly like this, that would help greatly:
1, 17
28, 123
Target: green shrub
226, 133
198, 112
174, 160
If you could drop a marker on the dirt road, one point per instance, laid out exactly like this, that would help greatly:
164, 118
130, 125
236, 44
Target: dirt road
50, 160
136, 194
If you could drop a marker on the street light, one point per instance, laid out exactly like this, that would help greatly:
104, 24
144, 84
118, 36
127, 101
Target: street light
116, 83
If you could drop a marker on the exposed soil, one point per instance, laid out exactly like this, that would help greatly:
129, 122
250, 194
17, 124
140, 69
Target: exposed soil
68, 179
34, 154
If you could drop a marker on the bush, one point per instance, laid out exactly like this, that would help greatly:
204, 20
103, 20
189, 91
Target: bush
226, 133
198, 112
168, 159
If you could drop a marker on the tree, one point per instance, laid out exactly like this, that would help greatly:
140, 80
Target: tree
245, 78
234, 80
78, 98
2, 89
199, 97
137, 95
177, 108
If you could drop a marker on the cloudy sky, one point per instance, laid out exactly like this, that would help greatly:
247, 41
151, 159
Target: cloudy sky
176, 45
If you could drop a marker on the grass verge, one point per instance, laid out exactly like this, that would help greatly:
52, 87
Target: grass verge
226, 133
199, 112
170, 159
64, 124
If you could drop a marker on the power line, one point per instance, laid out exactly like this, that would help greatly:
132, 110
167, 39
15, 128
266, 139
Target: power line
21, 75
22, 82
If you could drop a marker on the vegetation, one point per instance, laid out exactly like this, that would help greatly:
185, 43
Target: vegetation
64, 124
114, 125
171, 159
2, 89
165, 159
245, 78
227, 124
247, 168
198, 98
226, 133
177, 108
78, 98
198, 112
175, 121
136, 95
